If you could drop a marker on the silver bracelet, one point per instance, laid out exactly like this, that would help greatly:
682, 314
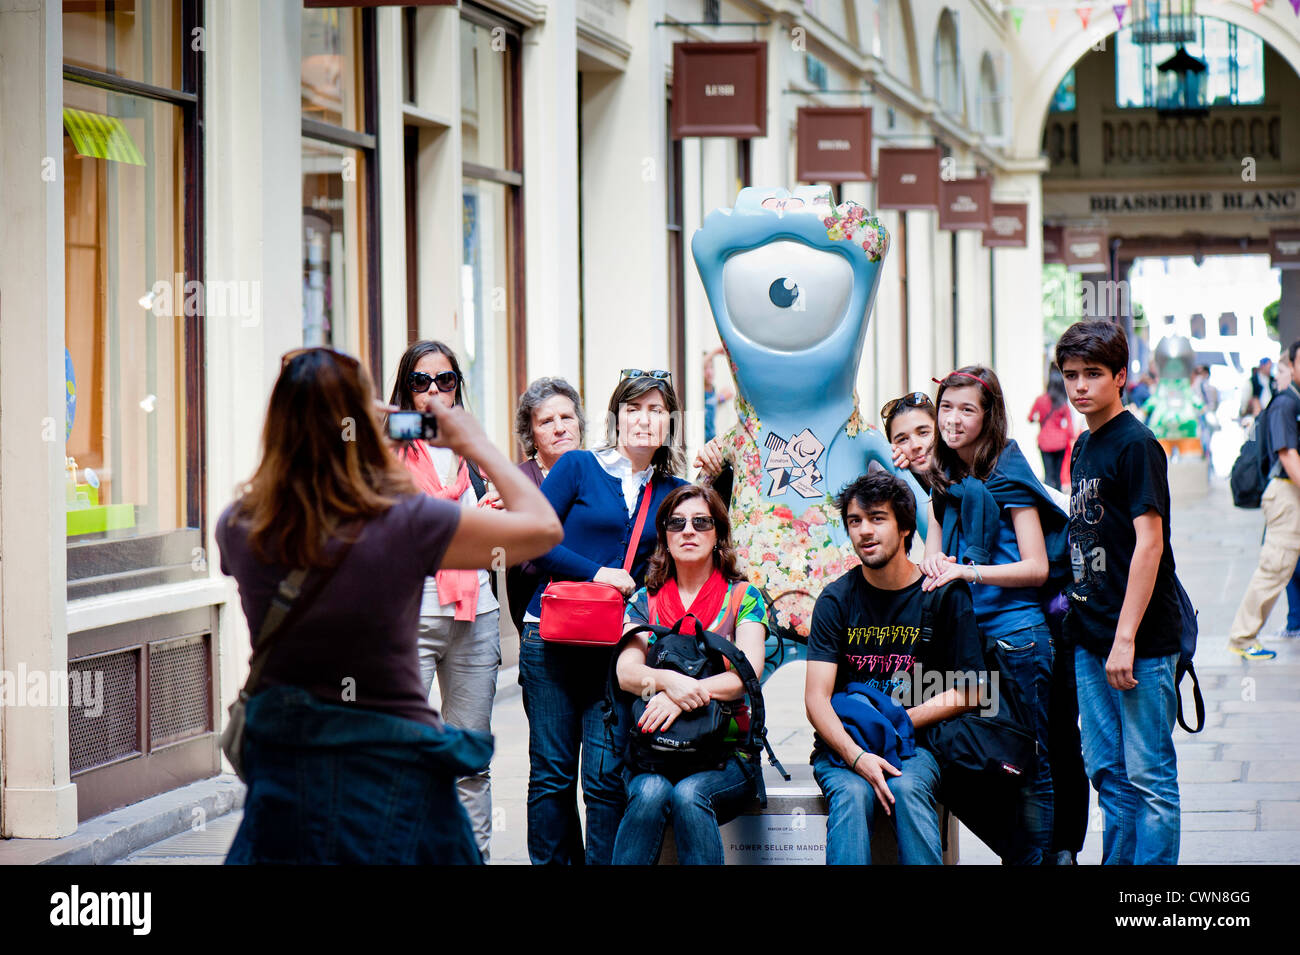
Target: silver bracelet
979, 578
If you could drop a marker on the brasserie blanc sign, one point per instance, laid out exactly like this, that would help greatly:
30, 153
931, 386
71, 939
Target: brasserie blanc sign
1175, 203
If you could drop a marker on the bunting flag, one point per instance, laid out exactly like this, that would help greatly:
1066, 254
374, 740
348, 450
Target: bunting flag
1295, 5
1086, 12
1256, 4
1119, 9
1052, 14
1017, 17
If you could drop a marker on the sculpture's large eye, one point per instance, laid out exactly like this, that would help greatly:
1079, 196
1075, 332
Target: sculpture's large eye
783, 292
787, 295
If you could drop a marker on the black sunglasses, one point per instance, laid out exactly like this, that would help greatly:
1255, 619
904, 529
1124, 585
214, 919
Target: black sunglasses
701, 522
916, 399
419, 382
657, 373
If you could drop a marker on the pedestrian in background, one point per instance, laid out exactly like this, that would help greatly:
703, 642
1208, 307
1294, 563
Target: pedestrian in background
1208, 395
1125, 619
595, 494
345, 760
548, 422
460, 619
1055, 428
1278, 437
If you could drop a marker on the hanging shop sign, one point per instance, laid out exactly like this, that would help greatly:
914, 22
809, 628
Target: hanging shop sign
1086, 250
1284, 248
965, 203
378, 3
1053, 245
908, 179
1008, 227
834, 144
720, 89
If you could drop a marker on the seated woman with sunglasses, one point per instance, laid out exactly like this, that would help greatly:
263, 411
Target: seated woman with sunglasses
693, 571
345, 760
597, 495
459, 632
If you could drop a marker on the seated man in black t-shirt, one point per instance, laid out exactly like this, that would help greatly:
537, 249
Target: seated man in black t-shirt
865, 629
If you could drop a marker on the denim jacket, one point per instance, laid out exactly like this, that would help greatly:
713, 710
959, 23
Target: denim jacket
338, 784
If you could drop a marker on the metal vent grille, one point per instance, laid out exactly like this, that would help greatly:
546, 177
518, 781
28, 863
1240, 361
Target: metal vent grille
101, 734
179, 690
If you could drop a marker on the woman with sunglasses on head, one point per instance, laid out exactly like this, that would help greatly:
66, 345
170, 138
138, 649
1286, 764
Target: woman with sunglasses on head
459, 632
693, 571
345, 760
597, 495
993, 525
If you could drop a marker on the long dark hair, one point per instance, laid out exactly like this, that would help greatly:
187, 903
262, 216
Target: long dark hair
324, 460
662, 567
946, 466
669, 459
1056, 387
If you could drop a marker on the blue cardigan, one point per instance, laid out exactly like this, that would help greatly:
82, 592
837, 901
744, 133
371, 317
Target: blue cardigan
590, 504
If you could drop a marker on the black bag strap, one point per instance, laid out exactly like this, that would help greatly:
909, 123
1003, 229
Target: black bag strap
286, 603
929, 600
1197, 700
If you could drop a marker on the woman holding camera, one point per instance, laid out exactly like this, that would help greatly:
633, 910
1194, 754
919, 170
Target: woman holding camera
345, 760
459, 632
596, 495
693, 571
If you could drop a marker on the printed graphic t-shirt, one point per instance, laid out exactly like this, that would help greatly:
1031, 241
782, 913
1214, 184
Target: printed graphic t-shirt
1119, 474
871, 635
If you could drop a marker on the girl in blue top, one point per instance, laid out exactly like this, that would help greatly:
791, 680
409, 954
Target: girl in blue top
985, 528
596, 495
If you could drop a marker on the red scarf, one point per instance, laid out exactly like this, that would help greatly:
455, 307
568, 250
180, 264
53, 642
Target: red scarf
705, 607
459, 587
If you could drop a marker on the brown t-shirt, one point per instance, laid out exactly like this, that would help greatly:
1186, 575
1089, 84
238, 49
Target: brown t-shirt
356, 642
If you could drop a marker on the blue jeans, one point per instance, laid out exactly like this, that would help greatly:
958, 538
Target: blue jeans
697, 805
1293, 600
1025, 659
1128, 749
564, 694
852, 811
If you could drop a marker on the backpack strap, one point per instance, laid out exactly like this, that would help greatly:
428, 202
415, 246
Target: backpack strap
1197, 700
929, 601
757, 737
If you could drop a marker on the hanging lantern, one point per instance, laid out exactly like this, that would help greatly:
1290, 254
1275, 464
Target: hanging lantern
1182, 83
1163, 21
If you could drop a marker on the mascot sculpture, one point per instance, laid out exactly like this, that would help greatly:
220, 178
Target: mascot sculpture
791, 278
1173, 411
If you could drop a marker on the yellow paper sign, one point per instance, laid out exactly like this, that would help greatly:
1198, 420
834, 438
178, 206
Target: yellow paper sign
101, 137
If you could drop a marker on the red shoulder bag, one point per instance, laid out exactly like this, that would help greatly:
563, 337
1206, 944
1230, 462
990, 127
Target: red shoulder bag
587, 613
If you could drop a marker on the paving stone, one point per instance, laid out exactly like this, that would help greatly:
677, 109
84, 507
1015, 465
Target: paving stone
1260, 706
1213, 821
1208, 771
1275, 771
1263, 732
1280, 814
1235, 847
1249, 752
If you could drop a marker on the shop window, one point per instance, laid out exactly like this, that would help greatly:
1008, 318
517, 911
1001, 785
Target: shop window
135, 299
491, 204
339, 259
1234, 58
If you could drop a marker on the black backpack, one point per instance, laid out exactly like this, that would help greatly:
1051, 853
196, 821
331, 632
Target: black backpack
697, 740
983, 760
1247, 478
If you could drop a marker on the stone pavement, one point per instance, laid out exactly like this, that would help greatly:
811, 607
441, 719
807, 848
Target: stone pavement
1239, 779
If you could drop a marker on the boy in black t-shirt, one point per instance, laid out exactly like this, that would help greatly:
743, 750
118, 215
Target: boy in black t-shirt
1124, 618
865, 629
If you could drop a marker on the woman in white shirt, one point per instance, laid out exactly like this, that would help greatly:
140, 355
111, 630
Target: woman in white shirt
459, 632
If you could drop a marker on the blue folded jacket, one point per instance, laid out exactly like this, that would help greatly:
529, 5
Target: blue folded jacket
876, 722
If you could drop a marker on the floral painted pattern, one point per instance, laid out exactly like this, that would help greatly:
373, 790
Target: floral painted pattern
848, 221
780, 552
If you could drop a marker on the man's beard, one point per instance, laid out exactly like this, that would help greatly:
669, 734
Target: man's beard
879, 559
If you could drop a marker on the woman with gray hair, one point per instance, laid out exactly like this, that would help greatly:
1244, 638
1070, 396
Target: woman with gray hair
548, 422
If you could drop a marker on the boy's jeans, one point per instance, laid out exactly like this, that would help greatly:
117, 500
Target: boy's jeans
852, 811
1128, 748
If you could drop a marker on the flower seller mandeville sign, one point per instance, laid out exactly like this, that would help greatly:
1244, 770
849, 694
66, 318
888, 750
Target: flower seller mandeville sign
908, 179
834, 144
1008, 228
965, 203
720, 89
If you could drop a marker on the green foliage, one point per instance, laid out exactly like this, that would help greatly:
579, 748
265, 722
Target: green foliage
1270, 317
